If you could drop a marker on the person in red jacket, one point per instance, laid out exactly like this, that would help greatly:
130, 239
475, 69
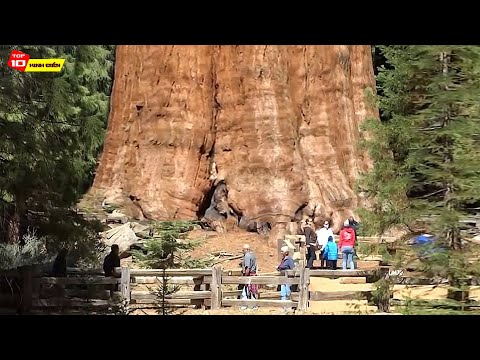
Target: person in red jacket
346, 245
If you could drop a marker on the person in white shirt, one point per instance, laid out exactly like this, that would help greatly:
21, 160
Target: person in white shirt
322, 239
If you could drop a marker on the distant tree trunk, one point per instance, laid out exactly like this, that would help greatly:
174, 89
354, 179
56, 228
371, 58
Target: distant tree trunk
458, 295
15, 221
13, 229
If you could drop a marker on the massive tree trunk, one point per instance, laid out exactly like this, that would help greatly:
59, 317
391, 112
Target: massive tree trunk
278, 124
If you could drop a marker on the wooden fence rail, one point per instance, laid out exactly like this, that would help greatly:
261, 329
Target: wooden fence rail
134, 288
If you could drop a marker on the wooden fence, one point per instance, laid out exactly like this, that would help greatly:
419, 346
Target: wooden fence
90, 290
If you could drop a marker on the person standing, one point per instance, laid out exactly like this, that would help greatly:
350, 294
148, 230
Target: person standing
286, 264
59, 268
310, 242
331, 253
353, 224
347, 245
112, 261
249, 268
322, 238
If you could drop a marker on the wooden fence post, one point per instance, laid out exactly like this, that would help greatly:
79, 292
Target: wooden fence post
27, 289
279, 247
125, 284
303, 289
216, 288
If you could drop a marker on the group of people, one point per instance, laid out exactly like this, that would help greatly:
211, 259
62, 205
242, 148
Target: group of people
322, 240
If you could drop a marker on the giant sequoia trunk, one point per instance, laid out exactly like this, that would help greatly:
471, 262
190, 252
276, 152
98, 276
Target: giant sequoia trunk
277, 125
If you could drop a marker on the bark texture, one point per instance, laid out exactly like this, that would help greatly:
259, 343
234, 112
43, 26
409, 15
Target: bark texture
277, 127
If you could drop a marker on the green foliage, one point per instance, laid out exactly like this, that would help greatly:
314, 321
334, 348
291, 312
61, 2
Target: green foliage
168, 238
163, 293
382, 291
190, 263
33, 252
52, 127
437, 307
426, 153
66, 229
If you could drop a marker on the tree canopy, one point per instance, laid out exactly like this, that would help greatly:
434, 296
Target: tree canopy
52, 127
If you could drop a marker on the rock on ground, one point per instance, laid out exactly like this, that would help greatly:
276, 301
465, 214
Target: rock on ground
124, 236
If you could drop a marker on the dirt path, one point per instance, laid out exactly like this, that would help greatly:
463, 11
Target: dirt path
338, 306
232, 242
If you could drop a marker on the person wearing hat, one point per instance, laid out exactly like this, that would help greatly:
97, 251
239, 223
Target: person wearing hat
347, 245
249, 268
286, 264
353, 224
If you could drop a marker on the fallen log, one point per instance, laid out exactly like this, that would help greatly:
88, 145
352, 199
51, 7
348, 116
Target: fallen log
228, 259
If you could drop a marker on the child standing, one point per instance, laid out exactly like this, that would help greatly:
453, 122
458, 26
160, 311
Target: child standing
331, 253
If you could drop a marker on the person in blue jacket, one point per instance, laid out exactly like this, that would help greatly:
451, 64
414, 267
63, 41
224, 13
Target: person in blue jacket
331, 253
286, 264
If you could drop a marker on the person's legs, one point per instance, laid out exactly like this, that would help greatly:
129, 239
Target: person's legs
347, 254
333, 264
350, 260
322, 260
244, 296
244, 293
253, 291
311, 257
285, 293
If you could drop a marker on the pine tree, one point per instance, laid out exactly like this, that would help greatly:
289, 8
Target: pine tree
159, 249
427, 149
165, 290
387, 143
52, 127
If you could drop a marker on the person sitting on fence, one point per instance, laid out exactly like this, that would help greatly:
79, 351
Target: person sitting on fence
310, 242
347, 245
330, 253
111, 262
59, 268
286, 264
249, 268
322, 240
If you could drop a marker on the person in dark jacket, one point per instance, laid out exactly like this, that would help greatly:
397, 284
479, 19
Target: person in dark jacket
59, 268
286, 264
249, 268
310, 242
111, 262
331, 253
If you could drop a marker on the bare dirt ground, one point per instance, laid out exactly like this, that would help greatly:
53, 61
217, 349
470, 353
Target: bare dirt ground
232, 242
